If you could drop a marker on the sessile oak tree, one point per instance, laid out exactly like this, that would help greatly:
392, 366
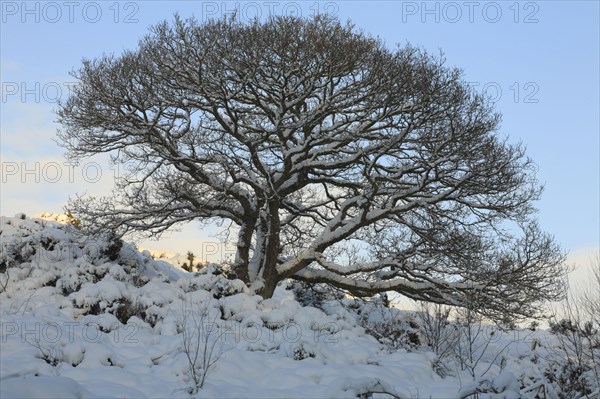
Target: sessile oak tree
313, 138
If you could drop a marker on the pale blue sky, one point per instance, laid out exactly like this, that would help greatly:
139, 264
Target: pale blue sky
539, 59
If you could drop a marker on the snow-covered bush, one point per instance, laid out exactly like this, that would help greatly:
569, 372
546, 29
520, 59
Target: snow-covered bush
314, 295
213, 278
394, 328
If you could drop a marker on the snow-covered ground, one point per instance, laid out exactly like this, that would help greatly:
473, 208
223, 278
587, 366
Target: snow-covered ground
84, 317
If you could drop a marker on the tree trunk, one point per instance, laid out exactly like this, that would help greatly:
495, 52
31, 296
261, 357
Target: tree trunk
271, 228
242, 255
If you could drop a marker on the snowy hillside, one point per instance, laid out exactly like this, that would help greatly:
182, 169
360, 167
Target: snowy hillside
89, 318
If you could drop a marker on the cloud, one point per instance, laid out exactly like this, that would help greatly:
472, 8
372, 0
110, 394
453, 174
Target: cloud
9, 66
44, 184
195, 237
28, 130
584, 260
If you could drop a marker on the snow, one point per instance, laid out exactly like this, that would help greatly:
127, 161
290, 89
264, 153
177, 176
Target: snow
75, 324
43, 387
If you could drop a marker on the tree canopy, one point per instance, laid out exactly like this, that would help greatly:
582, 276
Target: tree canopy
337, 159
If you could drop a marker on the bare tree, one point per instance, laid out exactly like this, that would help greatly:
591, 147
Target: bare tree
202, 342
575, 361
439, 333
307, 134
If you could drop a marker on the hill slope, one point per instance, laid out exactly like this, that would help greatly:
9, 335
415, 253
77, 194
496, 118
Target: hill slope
85, 317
